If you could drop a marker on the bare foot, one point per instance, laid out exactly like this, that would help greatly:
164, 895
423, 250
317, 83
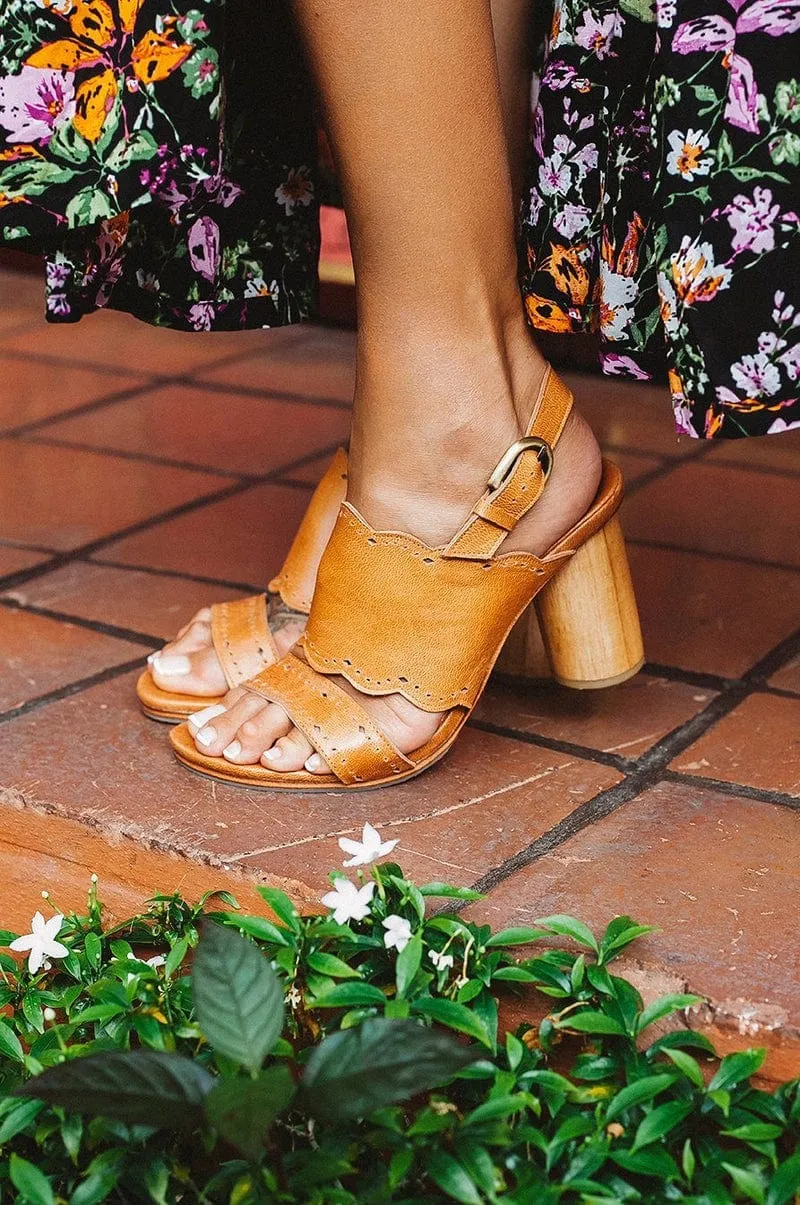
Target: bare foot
429, 499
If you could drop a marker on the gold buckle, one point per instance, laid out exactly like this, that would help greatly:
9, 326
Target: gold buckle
506, 466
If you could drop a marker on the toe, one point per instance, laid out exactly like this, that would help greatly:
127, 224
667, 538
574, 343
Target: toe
203, 616
257, 734
221, 730
198, 673
289, 753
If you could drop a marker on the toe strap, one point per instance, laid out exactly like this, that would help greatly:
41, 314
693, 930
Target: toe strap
340, 730
241, 637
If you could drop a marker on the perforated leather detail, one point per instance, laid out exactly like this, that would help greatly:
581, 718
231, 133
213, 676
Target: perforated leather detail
241, 638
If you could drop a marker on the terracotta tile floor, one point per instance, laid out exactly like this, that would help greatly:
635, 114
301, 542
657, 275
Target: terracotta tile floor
144, 474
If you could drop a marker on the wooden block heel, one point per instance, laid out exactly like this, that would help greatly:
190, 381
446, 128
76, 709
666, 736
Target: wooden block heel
588, 615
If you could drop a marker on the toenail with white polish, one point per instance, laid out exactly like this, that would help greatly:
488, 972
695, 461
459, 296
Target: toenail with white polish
173, 666
152, 658
273, 754
207, 736
233, 750
313, 763
201, 718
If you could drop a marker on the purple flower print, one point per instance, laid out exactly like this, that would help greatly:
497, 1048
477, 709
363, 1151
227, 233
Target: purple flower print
558, 76
753, 219
554, 175
704, 33
204, 247
742, 107
34, 103
617, 365
775, 17
202, 315
572, 219
756, 375
597, 35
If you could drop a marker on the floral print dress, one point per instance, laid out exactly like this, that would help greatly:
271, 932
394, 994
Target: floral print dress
165, 158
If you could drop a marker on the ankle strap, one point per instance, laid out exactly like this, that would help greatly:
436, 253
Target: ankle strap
519, 479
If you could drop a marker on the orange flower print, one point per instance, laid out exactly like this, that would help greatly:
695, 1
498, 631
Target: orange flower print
694, 273
546, 315
570, 276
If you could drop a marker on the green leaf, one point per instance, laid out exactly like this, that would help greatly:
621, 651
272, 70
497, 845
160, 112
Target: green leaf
688, 1161
141, 145
736, 1067
513, 975
638, 1093
688, 1065
330, 965
349, 995
446, 891
175, 958
785, 1182
663, 1007
519, 936
9, 1043
93, 949
568, 926
408, 963
620, 933
590, 1022
242, 1110
497, 1107
453, 1179
238, 997
259, 927
355, 1071
32, 1184
755, 1131
657, 1162
97, 1012
19, 1119
282, 906
144, 1087
747, 1182
455, 1016
663, 1120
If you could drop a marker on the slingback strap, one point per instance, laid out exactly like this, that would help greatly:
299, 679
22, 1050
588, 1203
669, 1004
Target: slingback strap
520, 477
241, 637
296, 581
332, 721
394, 616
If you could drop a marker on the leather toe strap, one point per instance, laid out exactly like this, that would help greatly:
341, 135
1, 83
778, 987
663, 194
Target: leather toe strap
340, 730
242, 639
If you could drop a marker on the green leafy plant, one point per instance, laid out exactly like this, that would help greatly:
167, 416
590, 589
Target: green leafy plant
196, 1053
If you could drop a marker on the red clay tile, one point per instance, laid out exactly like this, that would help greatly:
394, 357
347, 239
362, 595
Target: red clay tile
14, 559
630, 414
243, 539
627, 719
33, 389
788, 678
709, 614
41, 851
115, 770
720, 509
151, 604
62, 497
319, 362
230, 431
718, 875
40, 655
633, 465
21, 299
115, 339
757, 744
776, 452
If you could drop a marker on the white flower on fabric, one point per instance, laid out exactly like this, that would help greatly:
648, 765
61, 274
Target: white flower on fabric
685, 158
349, 902
757, 375
441, 961
297, 189
617, 293
41, 942
368, 849
398, 933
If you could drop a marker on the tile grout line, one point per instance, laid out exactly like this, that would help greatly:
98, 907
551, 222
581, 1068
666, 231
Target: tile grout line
734, 558
85, 550
163, 462
761, 794
47, 420
80, 621
72, 688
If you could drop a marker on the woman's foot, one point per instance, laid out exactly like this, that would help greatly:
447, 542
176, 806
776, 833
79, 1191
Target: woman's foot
189, 665
426, 484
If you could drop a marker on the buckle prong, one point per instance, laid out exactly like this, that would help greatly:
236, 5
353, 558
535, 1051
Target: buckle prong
507, 464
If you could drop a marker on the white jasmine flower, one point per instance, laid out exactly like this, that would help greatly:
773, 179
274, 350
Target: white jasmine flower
349, 902
442, 962
398, 933
368, 848
41, 942
49, 1014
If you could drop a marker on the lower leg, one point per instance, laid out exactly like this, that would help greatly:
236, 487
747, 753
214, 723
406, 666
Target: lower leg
447, 374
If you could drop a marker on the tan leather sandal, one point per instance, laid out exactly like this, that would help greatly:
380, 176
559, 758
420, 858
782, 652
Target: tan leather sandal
394, 616
240, 629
